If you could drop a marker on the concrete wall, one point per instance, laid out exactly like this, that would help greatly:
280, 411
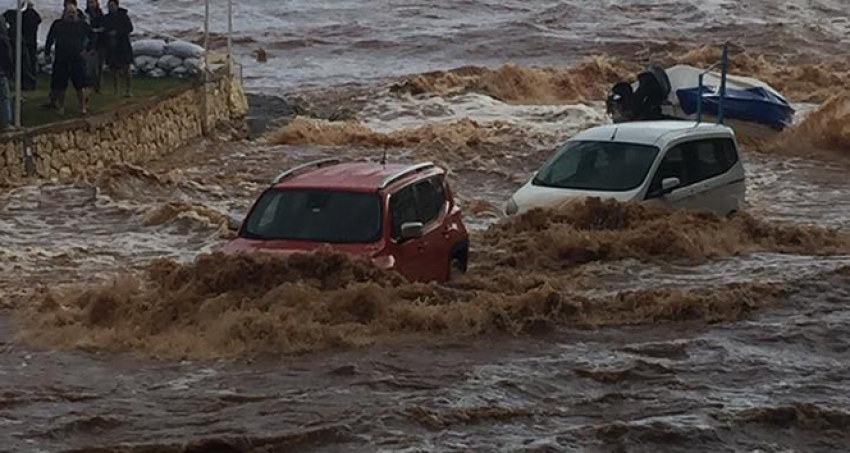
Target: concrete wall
134, 134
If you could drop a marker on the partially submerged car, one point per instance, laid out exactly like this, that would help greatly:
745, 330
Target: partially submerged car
681, 164
402, 217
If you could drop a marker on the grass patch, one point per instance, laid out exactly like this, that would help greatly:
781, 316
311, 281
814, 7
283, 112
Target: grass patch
143, 88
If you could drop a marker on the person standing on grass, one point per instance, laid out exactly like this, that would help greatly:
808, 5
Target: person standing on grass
71, 36
117, 26
7, 71
51, 104
99, 41
28, 57
31, 20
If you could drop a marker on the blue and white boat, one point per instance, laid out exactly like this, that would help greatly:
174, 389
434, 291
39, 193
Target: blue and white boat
675, 93
747, 99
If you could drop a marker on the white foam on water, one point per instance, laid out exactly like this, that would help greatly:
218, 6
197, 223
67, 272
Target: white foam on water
390, 113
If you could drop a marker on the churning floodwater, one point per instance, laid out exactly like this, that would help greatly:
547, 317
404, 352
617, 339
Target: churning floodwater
652, 332
321, 44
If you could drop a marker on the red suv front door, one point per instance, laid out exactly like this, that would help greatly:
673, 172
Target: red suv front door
431, 204
409, 253
424, 258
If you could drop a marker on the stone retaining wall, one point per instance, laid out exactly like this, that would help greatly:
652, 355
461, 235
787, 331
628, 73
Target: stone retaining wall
134, 134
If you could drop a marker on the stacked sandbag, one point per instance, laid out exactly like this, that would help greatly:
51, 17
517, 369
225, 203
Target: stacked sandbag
154, 58
149, 48
159, 58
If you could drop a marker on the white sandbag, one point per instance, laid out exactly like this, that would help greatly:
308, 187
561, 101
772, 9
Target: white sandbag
179, 71
149, 48
157, 73
184, 49
145, 63
168, 62
193, 65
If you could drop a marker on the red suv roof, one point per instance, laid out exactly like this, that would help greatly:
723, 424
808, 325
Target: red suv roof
356, 176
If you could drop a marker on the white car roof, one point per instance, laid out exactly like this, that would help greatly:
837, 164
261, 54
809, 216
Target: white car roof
657, 133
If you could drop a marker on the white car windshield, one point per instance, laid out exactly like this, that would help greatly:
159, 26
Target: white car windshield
316, 216
597, 166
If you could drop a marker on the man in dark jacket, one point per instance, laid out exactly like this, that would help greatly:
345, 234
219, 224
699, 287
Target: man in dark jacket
7, 70
71, 36
80, 12
30, 19
99, 42
117, 27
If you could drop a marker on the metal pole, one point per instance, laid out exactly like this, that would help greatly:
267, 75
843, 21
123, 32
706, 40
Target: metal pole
204, 102
18, 64
724, 63
230, 37
699, 98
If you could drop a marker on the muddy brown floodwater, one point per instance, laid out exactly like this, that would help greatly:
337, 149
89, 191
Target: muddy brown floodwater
599, 328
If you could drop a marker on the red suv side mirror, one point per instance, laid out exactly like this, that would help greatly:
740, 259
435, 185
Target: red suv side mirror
411, 230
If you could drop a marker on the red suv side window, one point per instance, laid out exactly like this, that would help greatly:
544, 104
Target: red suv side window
421, 202
402, 210
430, 199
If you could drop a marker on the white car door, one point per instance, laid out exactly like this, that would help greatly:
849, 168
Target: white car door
673, 165
708, 180
715, 181
705, 172
729, 190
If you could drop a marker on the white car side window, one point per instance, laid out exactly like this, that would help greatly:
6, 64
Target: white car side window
706, 159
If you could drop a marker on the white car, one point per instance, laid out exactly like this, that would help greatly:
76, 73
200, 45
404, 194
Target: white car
681, 164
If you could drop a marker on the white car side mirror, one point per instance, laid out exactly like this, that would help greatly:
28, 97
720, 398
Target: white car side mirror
668, 185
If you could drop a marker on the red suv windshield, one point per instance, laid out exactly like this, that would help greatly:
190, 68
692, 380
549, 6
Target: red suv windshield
315, 215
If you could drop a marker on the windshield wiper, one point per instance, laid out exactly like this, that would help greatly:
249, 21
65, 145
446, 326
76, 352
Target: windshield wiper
250, 235
539, 182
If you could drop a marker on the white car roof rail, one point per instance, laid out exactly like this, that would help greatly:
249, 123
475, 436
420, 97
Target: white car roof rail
406, 172
314, 164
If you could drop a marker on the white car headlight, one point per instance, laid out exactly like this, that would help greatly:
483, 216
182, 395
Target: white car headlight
512, 207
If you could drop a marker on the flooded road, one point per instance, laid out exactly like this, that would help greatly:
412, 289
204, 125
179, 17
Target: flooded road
772, 382
691, 334
776, 382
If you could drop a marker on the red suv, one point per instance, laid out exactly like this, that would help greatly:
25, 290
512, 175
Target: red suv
402, 217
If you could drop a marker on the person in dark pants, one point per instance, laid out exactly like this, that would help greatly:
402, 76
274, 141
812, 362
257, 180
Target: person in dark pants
28, 52
71, 36
117, 27
51, 104
7, 71
99, 41
31, 20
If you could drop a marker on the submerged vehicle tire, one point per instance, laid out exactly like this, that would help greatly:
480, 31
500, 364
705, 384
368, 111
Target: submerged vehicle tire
458, 263
456, 268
